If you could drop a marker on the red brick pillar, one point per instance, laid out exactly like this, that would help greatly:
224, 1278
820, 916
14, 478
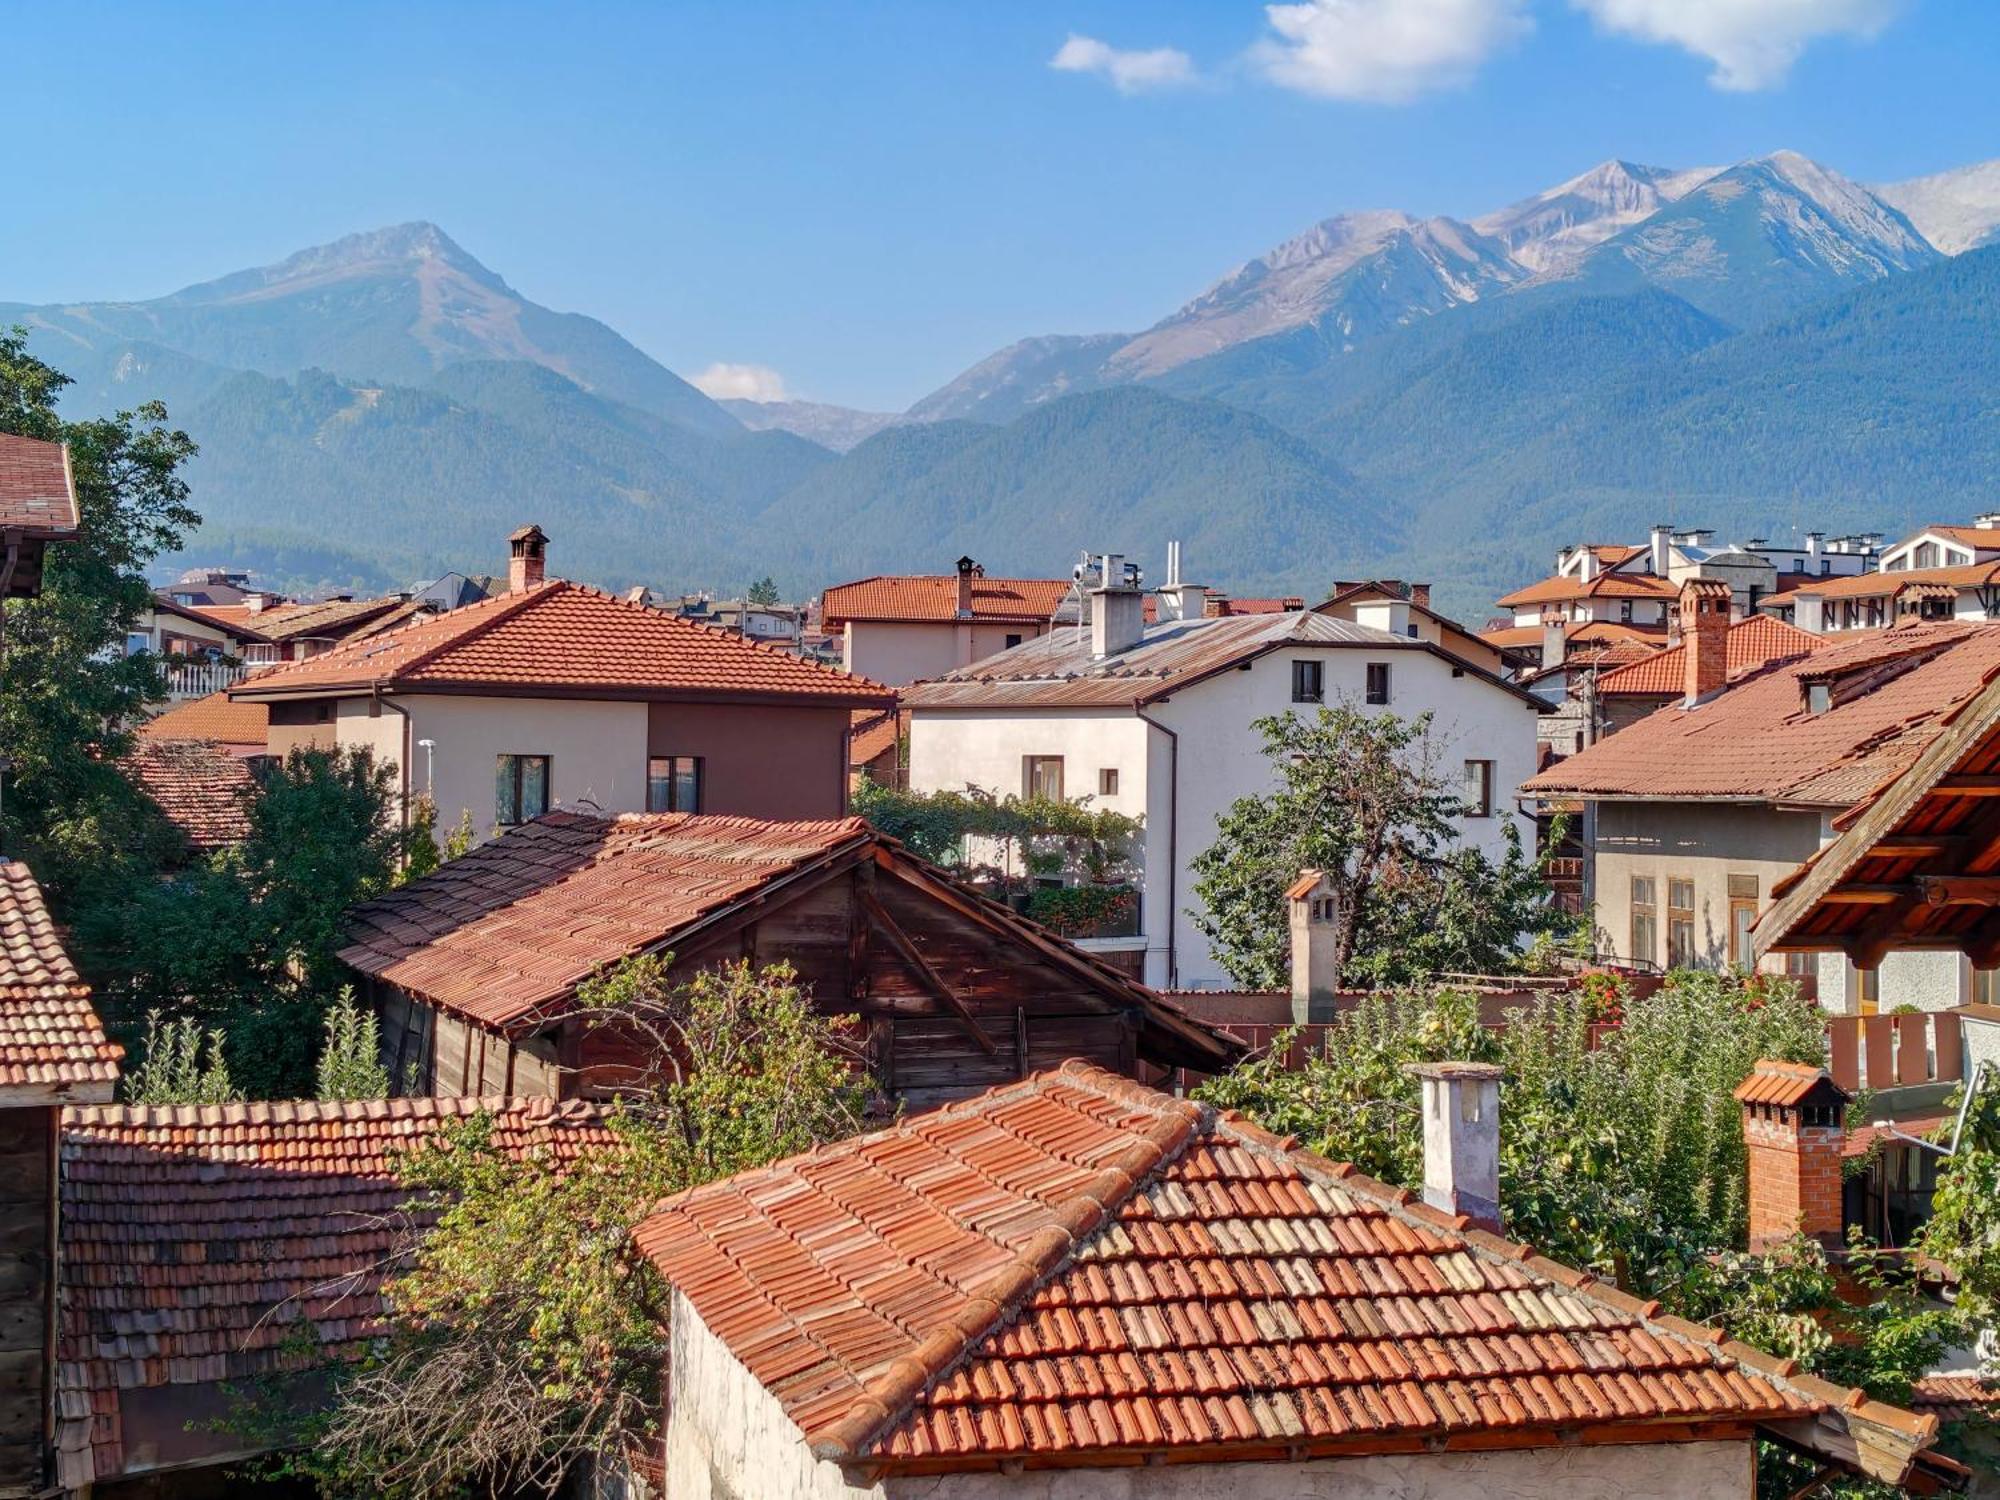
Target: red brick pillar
1793, 1133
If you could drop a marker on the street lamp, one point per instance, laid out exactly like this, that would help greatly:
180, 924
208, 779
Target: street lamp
429, 747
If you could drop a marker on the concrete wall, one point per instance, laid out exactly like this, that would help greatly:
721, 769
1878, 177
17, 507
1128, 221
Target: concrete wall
1703, 841
1934, 979
728, 1439
597, 751
1220, 759
758, 760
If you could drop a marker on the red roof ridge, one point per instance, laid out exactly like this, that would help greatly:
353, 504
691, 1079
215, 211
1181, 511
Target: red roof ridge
304, 1111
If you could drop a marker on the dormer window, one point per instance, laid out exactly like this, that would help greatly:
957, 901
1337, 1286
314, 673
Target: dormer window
1819, 697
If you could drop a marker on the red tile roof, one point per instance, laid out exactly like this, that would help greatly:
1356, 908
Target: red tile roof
564, 640
1785, 1084
1752, 644
1578, 636
513, 926
934, 597
1882, 585
1986, 538
203, 789
196, 1239
1758, 741
216, 717
51, 1043
874, 733
1562, 587
1955, 1398
37, 493
1079, 1268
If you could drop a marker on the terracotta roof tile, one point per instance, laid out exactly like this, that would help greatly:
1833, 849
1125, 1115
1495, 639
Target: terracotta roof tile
1077, 1263
1956, 1398
338, 618
873, 733
1608, 585
216, 717
1578, 635
1880, 584
563, 638
51, 1041
1786, 1084
517, 923
197, 1238
204, 791
934, 597
1893, 692
36, 491
1753, 643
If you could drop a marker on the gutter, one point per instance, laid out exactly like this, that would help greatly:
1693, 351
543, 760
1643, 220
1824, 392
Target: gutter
402, 761
1173, 841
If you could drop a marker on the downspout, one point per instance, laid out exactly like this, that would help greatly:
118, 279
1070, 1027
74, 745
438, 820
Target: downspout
1173, 843
403, 760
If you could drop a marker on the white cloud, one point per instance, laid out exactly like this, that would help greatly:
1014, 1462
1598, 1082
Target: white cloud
1129, 72
1383, 51
725, 382
1753, 43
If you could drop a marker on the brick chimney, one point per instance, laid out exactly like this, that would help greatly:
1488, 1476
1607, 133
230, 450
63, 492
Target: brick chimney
1793, 1134
1461, 1103
1704, 617
1420, 594
528, 551
967, 571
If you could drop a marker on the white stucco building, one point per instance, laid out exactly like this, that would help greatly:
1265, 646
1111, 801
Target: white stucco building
1155, 721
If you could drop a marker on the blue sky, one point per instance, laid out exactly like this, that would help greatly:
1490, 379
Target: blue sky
865, 198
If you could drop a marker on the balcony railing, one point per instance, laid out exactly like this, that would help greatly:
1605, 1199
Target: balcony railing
199, 679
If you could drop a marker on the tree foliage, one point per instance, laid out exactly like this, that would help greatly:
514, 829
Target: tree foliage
69, 695
764, 591
527, 1327
1049, 835
1362, 798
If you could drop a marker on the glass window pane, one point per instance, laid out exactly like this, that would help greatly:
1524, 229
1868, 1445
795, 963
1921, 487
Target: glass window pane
687, 784
534, 786
659, 784
506, 808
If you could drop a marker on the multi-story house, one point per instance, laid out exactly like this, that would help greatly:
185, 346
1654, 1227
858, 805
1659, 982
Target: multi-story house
1693, 814
1155, 721
901, 628
554, 694
1936, 573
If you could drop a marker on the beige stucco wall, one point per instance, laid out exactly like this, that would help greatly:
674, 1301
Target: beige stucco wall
1706, 842
597, 750
728, 1439
898, 653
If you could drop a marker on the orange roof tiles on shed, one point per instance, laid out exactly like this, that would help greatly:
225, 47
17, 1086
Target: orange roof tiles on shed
1752, 643
1785, 1084
217, 717
560, 639
1079, 1268
1893, 692
204, 791
197, 1239
934, 597
516, 924
51, 1042
37, 492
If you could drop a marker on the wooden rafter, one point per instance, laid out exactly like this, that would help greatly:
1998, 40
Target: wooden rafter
926, 973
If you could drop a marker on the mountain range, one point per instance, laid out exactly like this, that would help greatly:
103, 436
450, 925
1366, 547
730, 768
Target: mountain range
1758, 347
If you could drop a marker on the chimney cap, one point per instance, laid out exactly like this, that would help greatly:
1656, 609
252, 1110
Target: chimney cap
1449, 1070
528, 533
967, 565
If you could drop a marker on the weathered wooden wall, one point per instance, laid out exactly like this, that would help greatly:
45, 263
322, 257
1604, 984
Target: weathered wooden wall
27, 1230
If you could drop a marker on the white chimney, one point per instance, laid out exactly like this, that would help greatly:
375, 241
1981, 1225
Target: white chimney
1176, 599
1461, 1102
1313, 912
1662, 537
1117, 608
1813, 539
1586, 565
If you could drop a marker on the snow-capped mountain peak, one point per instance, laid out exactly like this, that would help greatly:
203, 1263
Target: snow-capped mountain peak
1553, 229
1956, 211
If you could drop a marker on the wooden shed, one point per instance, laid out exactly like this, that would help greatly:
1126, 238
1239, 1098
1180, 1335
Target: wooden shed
474, 968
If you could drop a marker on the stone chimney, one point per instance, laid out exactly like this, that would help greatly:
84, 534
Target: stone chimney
528, 551
1662, 539
1793, 1135
1461, 1102
1312, 910
1704, 618
1117, 607
967, 571
1555, 643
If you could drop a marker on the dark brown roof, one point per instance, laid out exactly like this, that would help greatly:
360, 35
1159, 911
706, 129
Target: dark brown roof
37, 494
1892, 692
196, 1239
1076, 1269
204, 791
564, 640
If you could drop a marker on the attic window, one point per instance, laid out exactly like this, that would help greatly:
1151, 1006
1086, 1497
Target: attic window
1819, 697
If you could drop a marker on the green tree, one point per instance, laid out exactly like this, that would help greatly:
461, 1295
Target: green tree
350, 1055
764, 591
527, 1325
174, 1067
1362, 798
68, 693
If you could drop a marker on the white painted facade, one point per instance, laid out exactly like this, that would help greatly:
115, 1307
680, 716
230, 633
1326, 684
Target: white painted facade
729, 1439
1182, 762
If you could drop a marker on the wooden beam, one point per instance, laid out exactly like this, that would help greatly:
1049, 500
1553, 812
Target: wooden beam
906, 949
1960, 890
1969, 785
1868, 895
1915, 845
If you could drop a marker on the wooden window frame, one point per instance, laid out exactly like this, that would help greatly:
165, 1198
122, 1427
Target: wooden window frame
1480, 806
1680, 923
1308, 680
1373, 695
1029, 766
1107, 781
1744, 899
1646, 911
